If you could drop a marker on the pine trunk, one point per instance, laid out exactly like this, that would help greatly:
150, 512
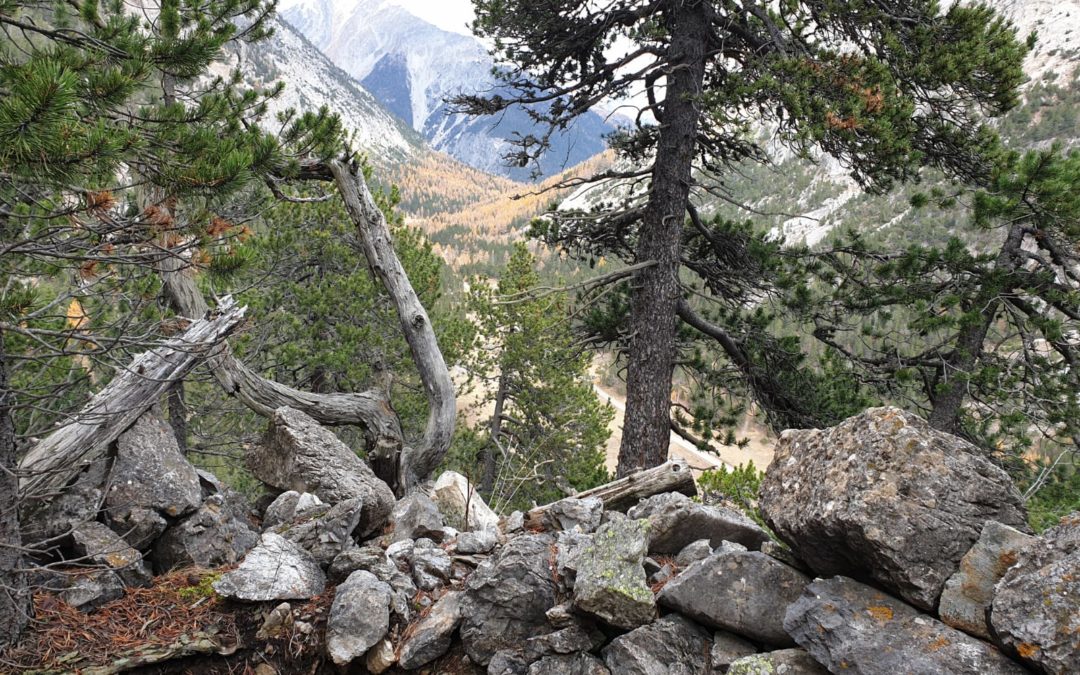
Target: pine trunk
14, 605
646, 431
487, 486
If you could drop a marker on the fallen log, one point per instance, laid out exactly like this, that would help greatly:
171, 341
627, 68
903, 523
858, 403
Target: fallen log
54, 460
671, 476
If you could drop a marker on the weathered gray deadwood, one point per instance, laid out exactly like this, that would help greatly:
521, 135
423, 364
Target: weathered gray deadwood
51, 463
369, 409
671, 476
416, 461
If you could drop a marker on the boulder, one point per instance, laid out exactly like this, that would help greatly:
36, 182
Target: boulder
276, 569
728, 648
574, 639
373, 559
297, 453
101, 546
416, 516
431, 565
281, 510
140, 527
968, 593
745, 592
693, 552
675, 521
569, 664
610, 583
508, 597
781, 662
210, 537
883, 496
453, 493
79, 502
324, 531
672, 645
149, 471
574, 514
483, 541
381, 657
846, 625
359, 617
85, 590
1036, 608
430, 637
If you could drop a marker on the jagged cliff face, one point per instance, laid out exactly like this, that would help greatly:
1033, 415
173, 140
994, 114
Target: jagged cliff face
411, 67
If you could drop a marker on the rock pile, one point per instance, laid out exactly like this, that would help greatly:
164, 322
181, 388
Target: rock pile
900, 550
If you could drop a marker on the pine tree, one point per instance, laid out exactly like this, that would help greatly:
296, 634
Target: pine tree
117, 152
886, 87
547, 430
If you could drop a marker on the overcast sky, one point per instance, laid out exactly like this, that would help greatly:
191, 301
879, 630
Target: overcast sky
446, 14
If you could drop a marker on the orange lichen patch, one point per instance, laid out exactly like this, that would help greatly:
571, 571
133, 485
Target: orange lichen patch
1027, 650
880, 613
156, 616
937, 644
1008, 559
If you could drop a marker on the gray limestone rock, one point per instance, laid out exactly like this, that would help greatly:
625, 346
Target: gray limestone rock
210, 537
610, 583
297, 453
79, 502
469, 543
85, 590
324, 531
882, 496
431, 565
571, 546
728, 648
576, 638
676, 521
569, 664
101, 546
416, 516
1036, 607
780, 662
968, 593
846, 625
672, 645
150, 472
281, 510
508, 597
454, 494
373, 559
359, 617
430, 637
140, 527
574, 514
693, 552
276, 569
745, 592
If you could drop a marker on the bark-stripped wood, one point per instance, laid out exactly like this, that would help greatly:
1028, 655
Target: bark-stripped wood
369, 409
51, 463
419, 460
671, 476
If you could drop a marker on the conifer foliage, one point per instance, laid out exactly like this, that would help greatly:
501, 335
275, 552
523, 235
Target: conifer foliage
887, 87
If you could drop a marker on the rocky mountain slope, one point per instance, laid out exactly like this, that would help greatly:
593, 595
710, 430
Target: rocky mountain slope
411, 67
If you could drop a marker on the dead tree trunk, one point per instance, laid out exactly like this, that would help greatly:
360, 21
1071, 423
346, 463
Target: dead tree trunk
370, 409
417, 461
14, 602
621, 494
51, 464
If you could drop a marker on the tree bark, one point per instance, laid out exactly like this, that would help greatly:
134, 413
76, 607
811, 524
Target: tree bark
417, 461
178, 415
621, 494
950, 384
53, 461
653, 322
14, 601
487, 485
369, 409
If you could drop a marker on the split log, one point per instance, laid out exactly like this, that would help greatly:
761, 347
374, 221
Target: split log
54, 460
369, 409
671, 476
